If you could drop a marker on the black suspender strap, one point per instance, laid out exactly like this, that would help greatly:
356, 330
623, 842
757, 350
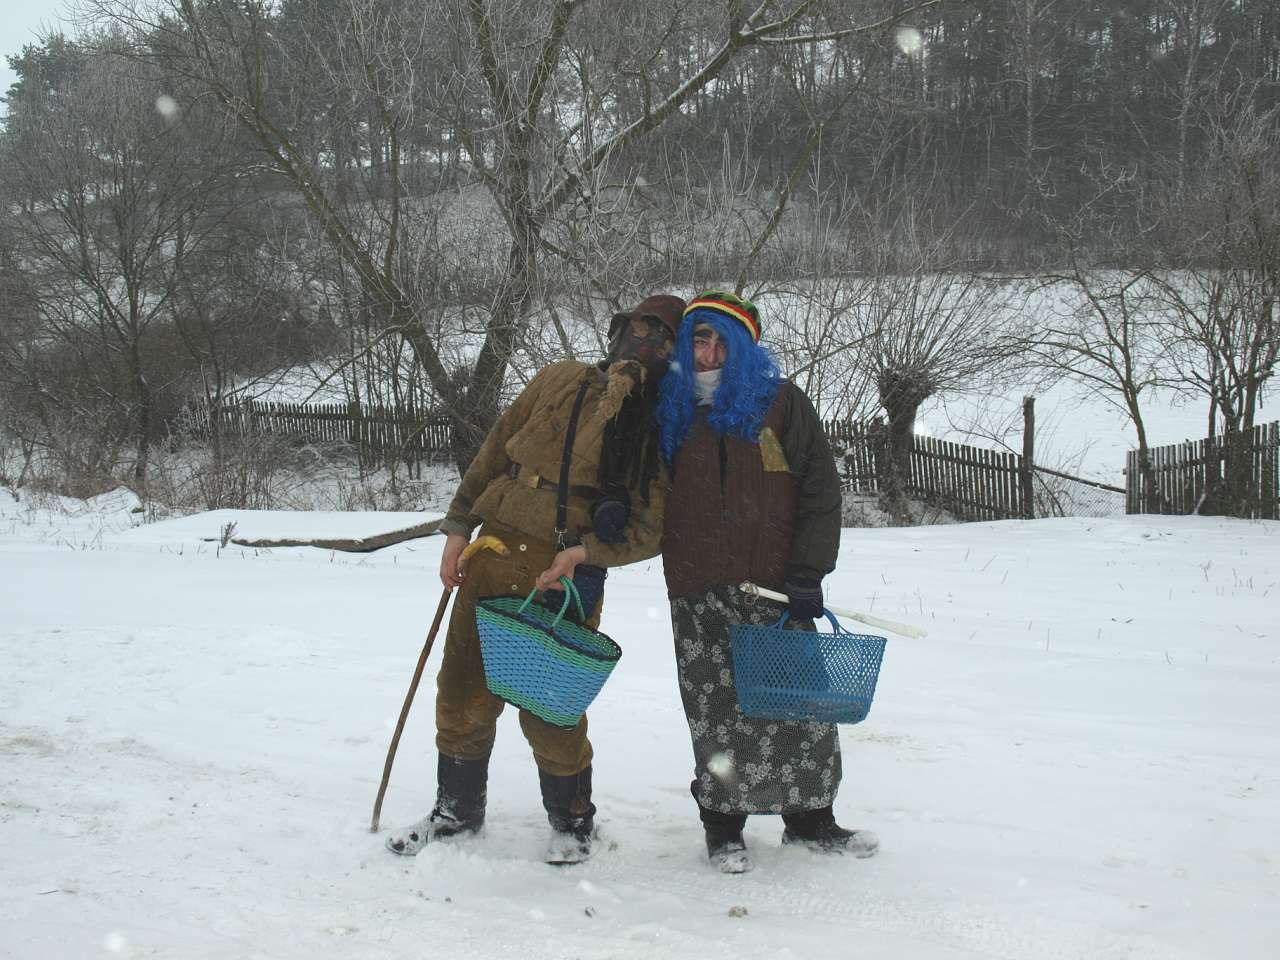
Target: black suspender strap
562, 491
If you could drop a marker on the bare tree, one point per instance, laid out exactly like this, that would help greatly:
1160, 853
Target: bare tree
19, 402
1104, 329
526, 116
1032, 23
534, 171
815, 294
923, 323
928, 331
1220, 275
1195, 22
114, 192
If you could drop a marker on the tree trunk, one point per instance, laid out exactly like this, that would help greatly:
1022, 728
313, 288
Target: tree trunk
1146, 471
901, 394
145, 404
473, 418
894, 493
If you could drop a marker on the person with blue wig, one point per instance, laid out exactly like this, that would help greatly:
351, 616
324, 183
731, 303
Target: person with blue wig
754, 497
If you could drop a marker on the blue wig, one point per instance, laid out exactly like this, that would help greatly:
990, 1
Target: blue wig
749, 383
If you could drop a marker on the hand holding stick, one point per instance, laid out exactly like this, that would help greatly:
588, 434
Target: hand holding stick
481, 543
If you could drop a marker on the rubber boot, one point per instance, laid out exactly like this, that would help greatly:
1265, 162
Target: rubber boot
571, 814
726, 849
818, 830
461, 792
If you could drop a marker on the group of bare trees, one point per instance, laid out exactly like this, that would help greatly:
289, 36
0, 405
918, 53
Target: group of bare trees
114, 231
425, 199
530, 94
328, 102
1189, 308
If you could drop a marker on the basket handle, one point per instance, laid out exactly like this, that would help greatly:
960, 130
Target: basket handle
570, 590
836, 625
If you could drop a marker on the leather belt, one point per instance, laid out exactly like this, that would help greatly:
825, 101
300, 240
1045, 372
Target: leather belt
530, 478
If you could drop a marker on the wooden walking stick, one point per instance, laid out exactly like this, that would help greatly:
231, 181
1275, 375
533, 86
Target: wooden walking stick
482, 543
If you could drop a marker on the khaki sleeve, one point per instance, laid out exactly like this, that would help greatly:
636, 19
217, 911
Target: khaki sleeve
815, 542
643, 529
491, 461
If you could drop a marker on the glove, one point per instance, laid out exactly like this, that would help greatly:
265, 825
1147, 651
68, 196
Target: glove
589, 581
609, 515
805, 598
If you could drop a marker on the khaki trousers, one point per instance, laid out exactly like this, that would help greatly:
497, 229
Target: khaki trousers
466, 712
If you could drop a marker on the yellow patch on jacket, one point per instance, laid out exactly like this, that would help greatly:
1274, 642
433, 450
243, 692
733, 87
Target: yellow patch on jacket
775, 461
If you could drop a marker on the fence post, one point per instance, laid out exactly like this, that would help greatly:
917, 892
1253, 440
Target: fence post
1271, 472
355, 430
1028, 457
877, 444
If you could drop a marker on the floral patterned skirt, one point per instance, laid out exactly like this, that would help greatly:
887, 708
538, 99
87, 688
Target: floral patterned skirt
744, 765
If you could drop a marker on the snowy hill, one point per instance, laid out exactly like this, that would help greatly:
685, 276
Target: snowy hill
1080, 761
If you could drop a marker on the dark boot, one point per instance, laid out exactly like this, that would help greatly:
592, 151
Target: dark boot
571, 814
818, 830
461, 792
726, 849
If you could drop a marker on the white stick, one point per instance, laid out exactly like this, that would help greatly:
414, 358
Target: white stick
901, 628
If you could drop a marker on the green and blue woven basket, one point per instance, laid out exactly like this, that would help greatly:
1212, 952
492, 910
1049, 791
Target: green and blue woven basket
541, 662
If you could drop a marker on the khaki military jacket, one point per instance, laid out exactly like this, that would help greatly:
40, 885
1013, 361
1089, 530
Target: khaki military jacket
530, 435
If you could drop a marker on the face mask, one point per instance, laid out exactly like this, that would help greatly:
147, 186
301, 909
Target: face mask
705, 383
651, 350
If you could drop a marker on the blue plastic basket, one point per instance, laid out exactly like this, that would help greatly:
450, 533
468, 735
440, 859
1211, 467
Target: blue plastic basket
537, 660
803, 675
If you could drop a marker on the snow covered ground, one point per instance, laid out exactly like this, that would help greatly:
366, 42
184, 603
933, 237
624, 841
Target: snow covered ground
1080, 761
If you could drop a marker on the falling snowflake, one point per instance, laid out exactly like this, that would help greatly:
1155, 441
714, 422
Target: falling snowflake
910, 41
721, 767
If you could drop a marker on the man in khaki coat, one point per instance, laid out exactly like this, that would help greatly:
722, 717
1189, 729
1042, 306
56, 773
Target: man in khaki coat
616, 495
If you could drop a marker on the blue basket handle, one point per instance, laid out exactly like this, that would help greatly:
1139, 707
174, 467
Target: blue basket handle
570, 590
835, 624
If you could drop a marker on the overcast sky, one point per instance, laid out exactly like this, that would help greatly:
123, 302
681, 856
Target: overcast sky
20, 23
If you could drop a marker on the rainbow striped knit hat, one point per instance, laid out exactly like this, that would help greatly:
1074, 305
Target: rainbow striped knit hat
731, 306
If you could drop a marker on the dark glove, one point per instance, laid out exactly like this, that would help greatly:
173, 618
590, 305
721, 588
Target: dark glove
805, 598
609, 515
589, 580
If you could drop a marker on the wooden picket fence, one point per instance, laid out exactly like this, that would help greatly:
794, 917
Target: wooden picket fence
969, 482
972, 483
1185, 474
380, 434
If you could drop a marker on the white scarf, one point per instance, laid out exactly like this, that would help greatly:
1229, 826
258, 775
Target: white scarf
705, 383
